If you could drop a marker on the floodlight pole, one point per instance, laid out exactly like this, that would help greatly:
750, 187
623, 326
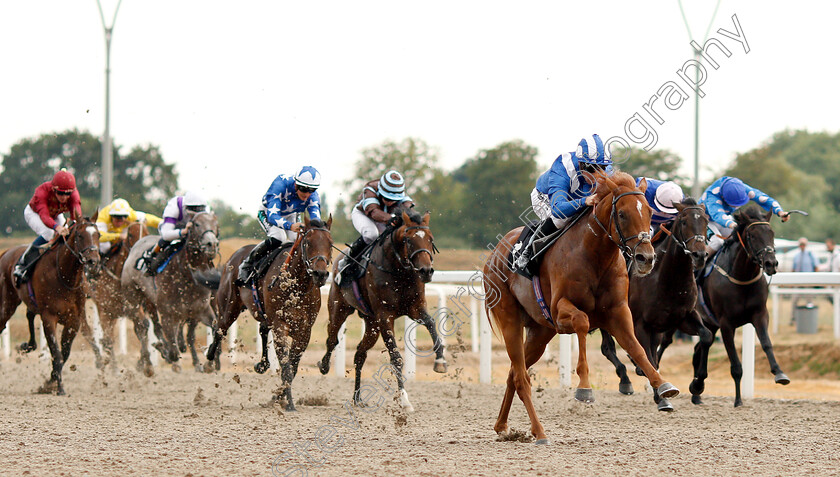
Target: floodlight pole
107, 188
695, 187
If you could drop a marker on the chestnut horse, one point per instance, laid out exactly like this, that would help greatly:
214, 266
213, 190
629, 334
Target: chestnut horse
179, 293
736, 294
56, 290
663, 300
393, 285
288, 298
583, 278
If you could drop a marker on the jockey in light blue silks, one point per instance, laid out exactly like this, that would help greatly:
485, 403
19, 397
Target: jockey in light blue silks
285, 199
565, 189
722, 198
661, 196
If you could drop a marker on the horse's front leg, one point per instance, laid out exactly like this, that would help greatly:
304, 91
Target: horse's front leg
727, 334
191, 325
263, 364
620, 325
429, 322
387, 330
608, 350
283, 345
764, 338
49, 323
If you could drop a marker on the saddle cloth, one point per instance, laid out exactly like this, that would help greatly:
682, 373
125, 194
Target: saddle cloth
540, 244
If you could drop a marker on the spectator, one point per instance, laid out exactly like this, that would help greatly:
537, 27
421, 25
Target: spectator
833, 263
804, 261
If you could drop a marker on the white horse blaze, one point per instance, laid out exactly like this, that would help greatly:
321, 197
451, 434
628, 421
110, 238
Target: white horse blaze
421, 234
639, 208
91, 229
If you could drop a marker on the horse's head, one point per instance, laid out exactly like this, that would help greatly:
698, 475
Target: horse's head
629, 216
689, 230
134, 232
755, 234
316, 248
418, 244
203, 237
83, 242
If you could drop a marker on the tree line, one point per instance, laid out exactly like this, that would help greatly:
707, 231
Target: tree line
484, 197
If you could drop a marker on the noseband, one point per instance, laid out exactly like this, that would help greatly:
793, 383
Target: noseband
684, 243
304, 253
406, 262
642, 237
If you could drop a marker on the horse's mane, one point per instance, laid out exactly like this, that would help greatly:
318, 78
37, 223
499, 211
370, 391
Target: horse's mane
317, 223
751, 214
413, 215
623, 179
688, 201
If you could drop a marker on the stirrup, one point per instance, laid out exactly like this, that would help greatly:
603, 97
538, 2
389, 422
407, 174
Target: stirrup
523, 259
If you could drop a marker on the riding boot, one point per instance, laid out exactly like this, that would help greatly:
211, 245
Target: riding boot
26, 260
348, 265
257, 253
545, 229
155, 257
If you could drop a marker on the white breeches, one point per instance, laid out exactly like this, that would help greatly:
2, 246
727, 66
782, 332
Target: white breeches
35, 223
367, 227
716, 242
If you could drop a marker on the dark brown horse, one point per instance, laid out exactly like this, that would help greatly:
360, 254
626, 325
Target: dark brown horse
583, 279
393, 285
287, 299
664, 300
734, 294
106, 292
56, 290
178, 294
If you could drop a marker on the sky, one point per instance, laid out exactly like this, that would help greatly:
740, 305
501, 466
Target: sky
235, 93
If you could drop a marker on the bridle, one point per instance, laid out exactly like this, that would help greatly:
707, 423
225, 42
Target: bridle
304, 252
683, 243
406, 261
756, 257
642, 237
193, 242
77, 254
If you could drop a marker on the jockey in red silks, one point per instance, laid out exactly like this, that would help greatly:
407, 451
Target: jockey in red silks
44, 215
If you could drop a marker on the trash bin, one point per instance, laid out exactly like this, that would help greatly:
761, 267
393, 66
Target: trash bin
806, 319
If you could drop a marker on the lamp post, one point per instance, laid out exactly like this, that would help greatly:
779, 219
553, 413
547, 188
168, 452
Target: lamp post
695, 187
107, 151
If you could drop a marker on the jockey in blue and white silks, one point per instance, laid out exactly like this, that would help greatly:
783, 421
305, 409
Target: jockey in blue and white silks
285, 198
723, 197
661, 196
565, 189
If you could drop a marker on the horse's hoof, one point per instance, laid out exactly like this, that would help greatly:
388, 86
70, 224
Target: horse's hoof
695, 399
148, 370
324, 366
207, 368
404, 402
27, 347
782, 379
665, 405
261, 367
584, 395
176, 367
291, 408
217, 364
542, 442
738, 403
667, 390
99, 365
625, 388
440, 365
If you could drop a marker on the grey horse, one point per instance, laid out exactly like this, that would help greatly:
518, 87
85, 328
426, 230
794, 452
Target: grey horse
177, 295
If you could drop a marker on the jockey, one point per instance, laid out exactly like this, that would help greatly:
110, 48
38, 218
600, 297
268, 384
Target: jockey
113, 220
565, 189
285, 198
661, 196
722, 198
176, 224
44, 215
379, 198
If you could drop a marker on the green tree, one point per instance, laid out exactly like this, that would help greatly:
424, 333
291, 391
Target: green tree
412, 157
660, 164
235, 224
497, 186
142, 177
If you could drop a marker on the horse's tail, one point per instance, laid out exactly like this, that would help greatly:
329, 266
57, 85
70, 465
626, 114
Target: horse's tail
209, 278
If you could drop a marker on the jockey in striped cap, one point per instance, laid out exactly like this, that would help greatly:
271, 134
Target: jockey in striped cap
566, 188
378, 200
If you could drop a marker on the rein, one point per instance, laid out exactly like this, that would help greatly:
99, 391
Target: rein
756, 257
304, 248
79, 258
642, 237
684, 243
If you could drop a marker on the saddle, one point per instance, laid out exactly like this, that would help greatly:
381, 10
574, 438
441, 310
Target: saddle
343, 280
262, 265
540, 244
146, 259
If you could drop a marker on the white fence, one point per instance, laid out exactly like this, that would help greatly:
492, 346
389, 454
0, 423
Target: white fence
453, 288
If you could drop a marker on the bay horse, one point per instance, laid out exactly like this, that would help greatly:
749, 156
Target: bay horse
178, 294
56, 290
583, 279
664, 300
394, 284
287, 299
734, 294
106, 292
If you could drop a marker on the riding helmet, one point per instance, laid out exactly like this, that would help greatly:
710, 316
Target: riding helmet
734, 192
309, 177
392, 185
